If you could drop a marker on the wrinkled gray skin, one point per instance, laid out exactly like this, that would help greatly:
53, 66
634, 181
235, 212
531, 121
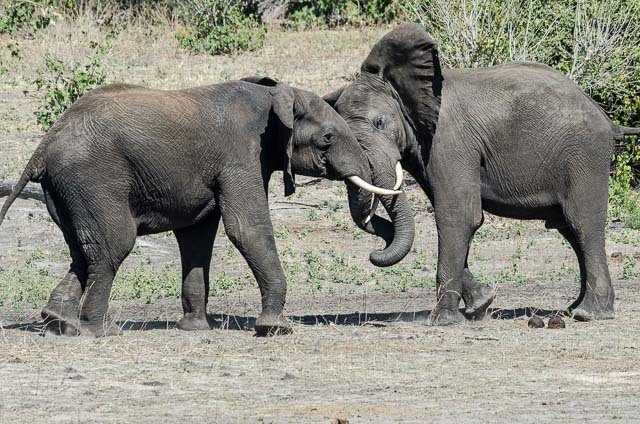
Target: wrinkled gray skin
518, 140
125, 161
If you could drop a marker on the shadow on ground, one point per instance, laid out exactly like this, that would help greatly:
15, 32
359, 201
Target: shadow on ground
245, 323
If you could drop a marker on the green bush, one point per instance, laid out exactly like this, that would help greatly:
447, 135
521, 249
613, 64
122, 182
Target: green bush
340, 12
64, 83
27, 286
147, 286
222, 26
25, 15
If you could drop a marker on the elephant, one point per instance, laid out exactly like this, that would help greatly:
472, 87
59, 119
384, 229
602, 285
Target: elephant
517, 140
125, 161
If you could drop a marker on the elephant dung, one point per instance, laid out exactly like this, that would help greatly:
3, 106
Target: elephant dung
556, 322
535, 322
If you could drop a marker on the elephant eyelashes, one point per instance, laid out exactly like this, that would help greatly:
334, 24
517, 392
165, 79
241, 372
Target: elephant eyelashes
379, 123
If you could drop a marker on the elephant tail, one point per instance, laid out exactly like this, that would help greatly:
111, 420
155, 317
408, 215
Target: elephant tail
622, 131
34, 171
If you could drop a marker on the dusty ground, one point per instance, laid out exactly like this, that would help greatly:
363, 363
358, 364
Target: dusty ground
360, 350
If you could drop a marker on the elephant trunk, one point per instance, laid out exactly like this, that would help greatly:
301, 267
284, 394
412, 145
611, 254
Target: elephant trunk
397, 234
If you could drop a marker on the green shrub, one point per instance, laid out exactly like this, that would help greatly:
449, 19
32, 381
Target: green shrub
64, 83
624, 204
222, 26
25, 15
27, 286
144, 285
340, 12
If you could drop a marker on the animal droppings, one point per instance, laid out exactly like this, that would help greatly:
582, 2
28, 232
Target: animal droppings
337, 420
555, 322
535, 322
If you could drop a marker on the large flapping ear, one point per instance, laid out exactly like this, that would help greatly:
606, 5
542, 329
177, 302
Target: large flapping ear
283, 105
332, 98
408, 59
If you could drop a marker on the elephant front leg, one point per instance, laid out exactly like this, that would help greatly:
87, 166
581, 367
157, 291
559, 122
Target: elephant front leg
196, 246
458, 214
245, 213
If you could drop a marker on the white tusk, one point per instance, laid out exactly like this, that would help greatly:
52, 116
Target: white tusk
373, 189
374, 206
399, 176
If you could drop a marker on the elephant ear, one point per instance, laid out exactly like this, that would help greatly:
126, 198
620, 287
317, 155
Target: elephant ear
283, 106
407, 58
332, 98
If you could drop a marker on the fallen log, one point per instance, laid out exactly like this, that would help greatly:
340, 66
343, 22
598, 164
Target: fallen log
31, 191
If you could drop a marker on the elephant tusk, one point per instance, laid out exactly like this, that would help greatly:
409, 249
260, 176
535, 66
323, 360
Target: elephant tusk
374, 206
399, 176
373, 189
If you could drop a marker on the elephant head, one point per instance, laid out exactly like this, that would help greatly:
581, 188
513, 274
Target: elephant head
319, 143
392, 103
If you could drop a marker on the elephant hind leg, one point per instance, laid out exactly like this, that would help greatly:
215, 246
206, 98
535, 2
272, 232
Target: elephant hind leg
586, 234
104, 237
196, 246
61, 311
571, 238
476, 296
60, 314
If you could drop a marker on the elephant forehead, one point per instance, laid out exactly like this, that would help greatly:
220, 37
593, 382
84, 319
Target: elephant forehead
366, 99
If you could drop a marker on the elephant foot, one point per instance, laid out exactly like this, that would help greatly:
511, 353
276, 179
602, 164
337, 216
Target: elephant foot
272, 324
101, 328
64, 325
60, 323
192, 322
477, 300
443, 316
589, 310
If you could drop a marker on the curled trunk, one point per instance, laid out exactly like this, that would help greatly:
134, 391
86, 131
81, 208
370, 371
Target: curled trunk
397, 234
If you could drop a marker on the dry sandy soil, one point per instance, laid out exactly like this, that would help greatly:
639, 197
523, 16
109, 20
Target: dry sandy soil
361, 348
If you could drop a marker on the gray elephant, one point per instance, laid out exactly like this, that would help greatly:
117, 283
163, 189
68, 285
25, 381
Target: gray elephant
518, 140
126, 160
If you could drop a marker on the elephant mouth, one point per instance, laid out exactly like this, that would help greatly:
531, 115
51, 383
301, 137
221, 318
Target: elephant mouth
398, 233
357, 181
375, 200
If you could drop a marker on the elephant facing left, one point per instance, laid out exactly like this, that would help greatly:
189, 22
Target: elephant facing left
125, 161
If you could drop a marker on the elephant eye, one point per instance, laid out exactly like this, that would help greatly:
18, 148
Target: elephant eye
328, 139
379, 123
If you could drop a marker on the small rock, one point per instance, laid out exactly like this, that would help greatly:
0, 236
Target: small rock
288, 376
337, 420
535, 322
152, 383
555, 322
